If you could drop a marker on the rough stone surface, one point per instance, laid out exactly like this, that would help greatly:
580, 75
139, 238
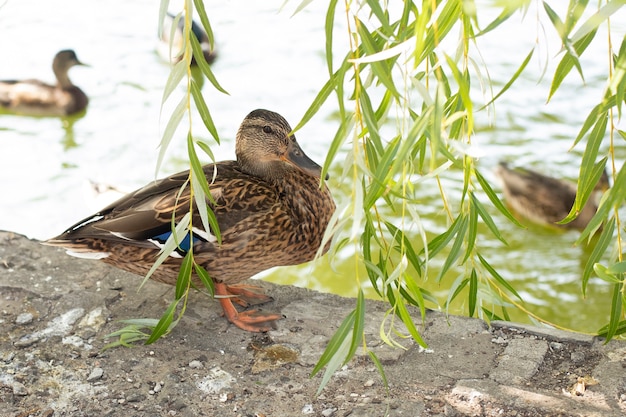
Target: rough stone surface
55, 311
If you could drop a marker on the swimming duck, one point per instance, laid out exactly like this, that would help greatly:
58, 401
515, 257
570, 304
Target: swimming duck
546, 200
164, 45
36, 98
268, 203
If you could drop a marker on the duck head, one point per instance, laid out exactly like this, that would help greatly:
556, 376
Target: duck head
265, 148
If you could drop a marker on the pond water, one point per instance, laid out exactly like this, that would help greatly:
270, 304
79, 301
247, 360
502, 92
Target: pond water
267, 59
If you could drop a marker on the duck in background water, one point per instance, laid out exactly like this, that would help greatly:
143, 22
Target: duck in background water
173, 54
545, 200
268, 203
36, 98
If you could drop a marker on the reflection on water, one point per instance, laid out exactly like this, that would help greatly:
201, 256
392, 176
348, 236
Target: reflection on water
116, 141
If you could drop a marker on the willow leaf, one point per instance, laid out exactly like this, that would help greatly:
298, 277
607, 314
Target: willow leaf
586, 180
184, 275
359, 325
203, 65
487, 219
594, 21
163, 6
164, 325
513, 78
403, 313
473, 293
369, 115
495, 200
405, 242
498, 277
205, 278
169, 131
320, 99
568, 62
204, 19
379, 68
455, 250
616, 312
328, 29
173, 80
473, 228
204, 111
380, 369
170, 244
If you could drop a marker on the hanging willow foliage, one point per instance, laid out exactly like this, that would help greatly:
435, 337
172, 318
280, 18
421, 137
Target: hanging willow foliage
394, 73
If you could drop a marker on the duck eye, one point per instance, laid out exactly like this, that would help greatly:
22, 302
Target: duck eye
267, 129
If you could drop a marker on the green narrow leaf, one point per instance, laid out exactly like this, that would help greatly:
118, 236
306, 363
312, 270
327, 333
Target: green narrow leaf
205, 278
379, 68
498, 277
403, 313
594, 21
170, 244
606, 274
616, 312
568, 62
495, 200
202, 64
163, 6
369, 115
184, 275
205, 115
359, 324
173, 80
605, 239
383, 171
328, 29
380, 369
473, 228
587, 168
170, 128
473, 292
204, 19
515, 76
487, 219
455, 289
164, 325
317, 102
405, 242
335, 342
206, 148
455, 251
442, 240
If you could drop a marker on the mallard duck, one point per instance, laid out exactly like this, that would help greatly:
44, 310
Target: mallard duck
172, 53
268, 203
546, 200
36, 98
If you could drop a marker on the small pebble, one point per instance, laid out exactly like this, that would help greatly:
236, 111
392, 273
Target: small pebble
577, 357
19, 389
195, 365
24, 318
556, 345
368, 383
96, 373
308, 409
329, 412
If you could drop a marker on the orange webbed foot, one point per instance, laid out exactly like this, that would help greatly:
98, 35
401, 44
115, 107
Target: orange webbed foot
247, 295
252, 320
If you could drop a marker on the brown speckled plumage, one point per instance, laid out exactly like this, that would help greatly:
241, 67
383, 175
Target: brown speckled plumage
36, 98
268, 204
546, 200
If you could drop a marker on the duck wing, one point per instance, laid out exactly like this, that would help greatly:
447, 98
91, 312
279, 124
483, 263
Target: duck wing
145, 215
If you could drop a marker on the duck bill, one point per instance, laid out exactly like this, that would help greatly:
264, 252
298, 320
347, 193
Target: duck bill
296, 156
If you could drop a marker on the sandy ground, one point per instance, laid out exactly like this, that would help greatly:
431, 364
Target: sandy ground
56, 310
